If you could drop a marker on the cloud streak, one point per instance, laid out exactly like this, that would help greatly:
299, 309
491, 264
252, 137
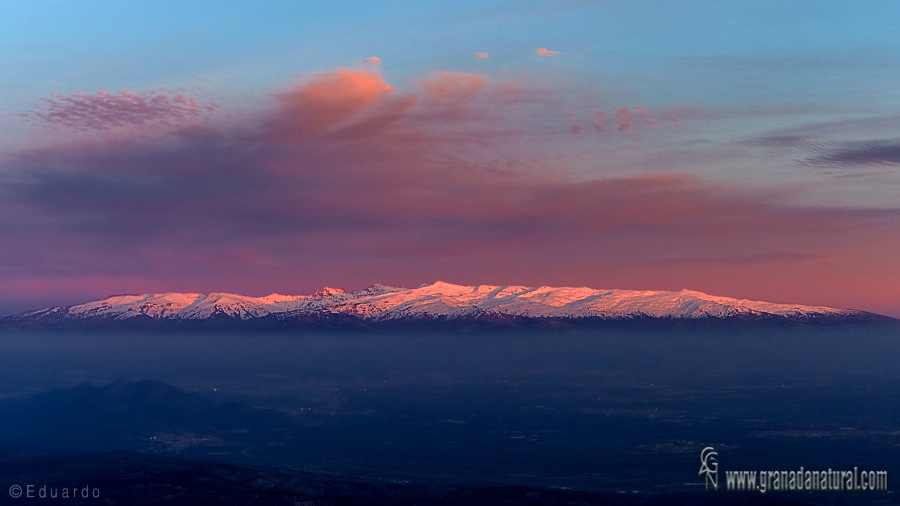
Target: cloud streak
857, 153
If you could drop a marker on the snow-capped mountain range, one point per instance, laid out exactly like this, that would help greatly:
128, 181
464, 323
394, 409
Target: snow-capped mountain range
438, 300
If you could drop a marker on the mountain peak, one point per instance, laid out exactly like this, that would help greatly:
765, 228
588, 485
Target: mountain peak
326, 291
444, 286
380, 288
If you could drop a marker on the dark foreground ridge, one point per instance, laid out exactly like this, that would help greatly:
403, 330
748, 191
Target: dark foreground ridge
122, 414
137, 479
109, 452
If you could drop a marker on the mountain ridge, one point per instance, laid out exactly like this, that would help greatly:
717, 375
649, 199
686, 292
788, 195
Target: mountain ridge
438, 300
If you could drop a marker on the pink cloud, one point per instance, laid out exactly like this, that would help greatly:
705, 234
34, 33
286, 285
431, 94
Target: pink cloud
443, 86
373, 59
672, 115
624, 119
599, 118
546, 52
482, 55
645, 115
107, 111
628, 119
359, 104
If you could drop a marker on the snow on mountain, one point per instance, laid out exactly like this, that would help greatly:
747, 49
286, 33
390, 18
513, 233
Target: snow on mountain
440, 299
445, 299
178, 305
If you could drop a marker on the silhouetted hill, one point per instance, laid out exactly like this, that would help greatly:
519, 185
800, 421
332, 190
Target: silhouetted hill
120, 412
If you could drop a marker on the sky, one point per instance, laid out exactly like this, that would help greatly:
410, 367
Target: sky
743, 149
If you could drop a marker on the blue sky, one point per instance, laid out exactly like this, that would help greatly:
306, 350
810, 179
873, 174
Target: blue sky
673, 48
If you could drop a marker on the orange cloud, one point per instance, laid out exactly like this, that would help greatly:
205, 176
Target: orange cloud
373, 59
482, 55
328, 101
546, 52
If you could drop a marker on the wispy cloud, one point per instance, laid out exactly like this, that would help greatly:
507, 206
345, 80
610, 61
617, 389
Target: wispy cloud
782, 140
546, 52
857, 153
105, 111
822, 151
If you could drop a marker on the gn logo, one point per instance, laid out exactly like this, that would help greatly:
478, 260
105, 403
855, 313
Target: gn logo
710, 467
